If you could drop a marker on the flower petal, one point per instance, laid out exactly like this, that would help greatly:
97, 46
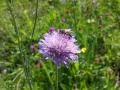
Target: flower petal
57, 61
74, 57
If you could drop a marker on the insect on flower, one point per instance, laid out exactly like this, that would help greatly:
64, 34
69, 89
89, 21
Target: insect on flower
66, 31
60, 45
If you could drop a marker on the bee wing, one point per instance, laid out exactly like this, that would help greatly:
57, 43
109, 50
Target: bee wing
66, 30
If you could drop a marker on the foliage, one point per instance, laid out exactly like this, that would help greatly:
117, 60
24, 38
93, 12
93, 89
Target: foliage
94, 23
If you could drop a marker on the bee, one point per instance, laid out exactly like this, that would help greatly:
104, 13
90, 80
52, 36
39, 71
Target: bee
66, 32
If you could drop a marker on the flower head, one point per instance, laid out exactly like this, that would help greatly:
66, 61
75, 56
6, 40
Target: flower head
39, 64
90, 21
63, 19
32, 47
36, 56
93, 1
83, 50
60, 45
51, 29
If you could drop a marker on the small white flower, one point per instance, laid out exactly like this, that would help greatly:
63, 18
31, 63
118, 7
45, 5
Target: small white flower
90, 21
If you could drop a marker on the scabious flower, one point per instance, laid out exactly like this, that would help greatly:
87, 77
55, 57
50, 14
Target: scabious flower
63, 19
60, 45
32, 47
39, 64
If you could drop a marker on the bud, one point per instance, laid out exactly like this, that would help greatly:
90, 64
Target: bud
32, 47
100, 26
51, 29
63, 19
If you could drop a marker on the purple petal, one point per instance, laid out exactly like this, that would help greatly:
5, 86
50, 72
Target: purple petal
46, 55
57, 61
74, 57
66, 62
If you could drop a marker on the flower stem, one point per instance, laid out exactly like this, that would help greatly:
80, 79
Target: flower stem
28, 73
22, 53
34, 23
57, 78
74, 15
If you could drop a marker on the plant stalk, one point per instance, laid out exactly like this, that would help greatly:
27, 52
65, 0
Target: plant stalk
57, 78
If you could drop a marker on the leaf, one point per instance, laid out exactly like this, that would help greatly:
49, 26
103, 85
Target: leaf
64, 87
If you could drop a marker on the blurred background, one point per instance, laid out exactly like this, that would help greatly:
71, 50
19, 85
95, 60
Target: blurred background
94, 23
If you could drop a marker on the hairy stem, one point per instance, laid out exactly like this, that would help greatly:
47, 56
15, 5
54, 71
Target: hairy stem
22, 54
34, 22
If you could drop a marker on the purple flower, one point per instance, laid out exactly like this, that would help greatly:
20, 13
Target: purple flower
60, 45
51, 29
32, 47
63, 19
39, 64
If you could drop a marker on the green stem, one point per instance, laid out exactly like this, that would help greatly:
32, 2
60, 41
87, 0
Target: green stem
28, 73
75, 24
27, 61
22, 54
46, 70
2, 83
57, 78
34, 23
75, 27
